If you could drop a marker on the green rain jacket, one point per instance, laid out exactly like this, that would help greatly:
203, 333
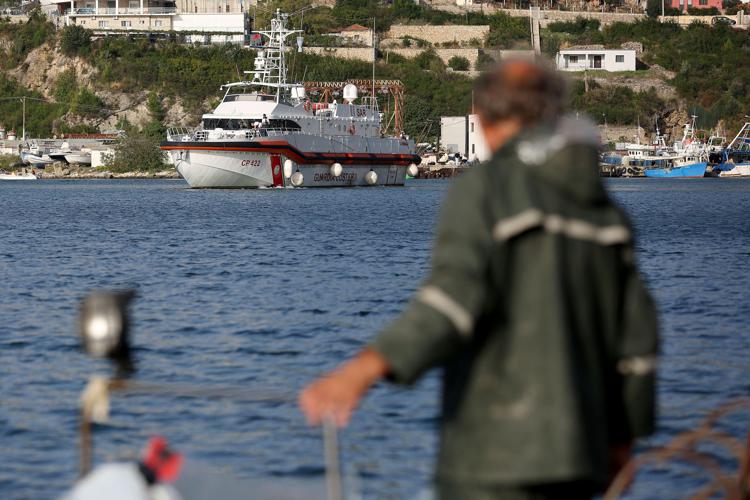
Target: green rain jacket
534, 308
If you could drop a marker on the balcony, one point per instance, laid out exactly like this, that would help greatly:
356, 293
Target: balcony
123, 11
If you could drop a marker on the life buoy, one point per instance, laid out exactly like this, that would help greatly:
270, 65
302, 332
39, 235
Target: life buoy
308, 106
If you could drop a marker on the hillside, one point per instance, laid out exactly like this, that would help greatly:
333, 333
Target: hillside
84, 84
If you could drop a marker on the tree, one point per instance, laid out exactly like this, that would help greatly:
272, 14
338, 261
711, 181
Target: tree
74, 40
136, 151
155, 128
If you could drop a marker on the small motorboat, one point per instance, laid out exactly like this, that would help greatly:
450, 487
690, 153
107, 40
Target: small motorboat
16, 176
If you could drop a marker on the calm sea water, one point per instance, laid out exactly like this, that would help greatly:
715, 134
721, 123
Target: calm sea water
262, 290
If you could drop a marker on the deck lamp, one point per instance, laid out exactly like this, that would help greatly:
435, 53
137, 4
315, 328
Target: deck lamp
103, 325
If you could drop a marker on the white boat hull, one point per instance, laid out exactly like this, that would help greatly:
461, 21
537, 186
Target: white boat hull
261, 164
83, 159
739, 170
17, 177
217, 169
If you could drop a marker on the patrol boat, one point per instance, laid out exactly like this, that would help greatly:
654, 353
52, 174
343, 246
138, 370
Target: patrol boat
267, 133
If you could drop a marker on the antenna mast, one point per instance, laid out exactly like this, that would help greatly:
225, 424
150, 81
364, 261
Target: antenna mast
374, 56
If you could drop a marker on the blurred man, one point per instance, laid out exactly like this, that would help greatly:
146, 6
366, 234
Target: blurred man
534, 310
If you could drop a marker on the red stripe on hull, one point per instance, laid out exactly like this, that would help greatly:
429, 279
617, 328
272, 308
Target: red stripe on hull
289, 151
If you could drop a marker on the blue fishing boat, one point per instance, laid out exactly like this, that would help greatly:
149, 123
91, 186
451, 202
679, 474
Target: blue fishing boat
697, 169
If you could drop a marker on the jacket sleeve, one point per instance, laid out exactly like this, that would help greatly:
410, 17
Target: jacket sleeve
440, 317
637, 354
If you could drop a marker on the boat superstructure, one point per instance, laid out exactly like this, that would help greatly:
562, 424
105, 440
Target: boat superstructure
266, 132
686, 158
736, 156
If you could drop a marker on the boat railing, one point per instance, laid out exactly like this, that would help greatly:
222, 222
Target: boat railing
179, 134
182, 134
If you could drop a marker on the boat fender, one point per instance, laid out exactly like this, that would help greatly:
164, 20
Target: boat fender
371, 177
297, 179
336, 169
412, 170
308, 105
352, 129
288, 166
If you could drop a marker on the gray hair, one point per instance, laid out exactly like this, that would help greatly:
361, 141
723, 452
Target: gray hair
530, 91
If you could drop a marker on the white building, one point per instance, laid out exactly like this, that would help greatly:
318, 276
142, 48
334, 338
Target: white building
204, 21
595, 59
463, 134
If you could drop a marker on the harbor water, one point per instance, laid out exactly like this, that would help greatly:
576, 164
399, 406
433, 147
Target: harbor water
262, 290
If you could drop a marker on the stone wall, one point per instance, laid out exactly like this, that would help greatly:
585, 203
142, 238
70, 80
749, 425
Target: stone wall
547, 16
359, 53
439, 34
444, 54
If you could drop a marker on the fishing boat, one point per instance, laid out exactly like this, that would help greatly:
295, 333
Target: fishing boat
736, 156
686, 158
267, 133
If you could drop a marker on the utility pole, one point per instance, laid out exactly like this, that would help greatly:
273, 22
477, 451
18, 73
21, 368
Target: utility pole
23, 119
662, 10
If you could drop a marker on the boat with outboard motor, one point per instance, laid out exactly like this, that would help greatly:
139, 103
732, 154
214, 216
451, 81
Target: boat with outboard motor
266, 132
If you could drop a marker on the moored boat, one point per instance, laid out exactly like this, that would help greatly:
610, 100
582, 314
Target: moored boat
267, 133
736, 156
16, 176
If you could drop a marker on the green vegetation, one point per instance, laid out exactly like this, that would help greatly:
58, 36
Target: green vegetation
616, 104
459, 63
40, 115
136, 151
9, 162
711, 63
25, 37
74, 40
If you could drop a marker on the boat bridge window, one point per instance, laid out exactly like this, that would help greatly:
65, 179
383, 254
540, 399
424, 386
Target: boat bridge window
248, 123
248, 97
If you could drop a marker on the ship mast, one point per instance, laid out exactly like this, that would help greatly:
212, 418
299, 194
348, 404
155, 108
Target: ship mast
270, 68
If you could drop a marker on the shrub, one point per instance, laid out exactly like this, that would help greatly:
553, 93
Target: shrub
66, 87
697, 11
459, 63
577, 27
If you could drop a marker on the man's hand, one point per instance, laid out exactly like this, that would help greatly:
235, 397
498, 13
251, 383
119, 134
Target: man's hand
619, 456
338, 393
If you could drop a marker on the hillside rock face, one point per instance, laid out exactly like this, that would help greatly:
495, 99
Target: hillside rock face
44, 65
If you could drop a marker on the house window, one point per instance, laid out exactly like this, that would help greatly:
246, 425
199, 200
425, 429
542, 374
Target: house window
472, 147
472, 127
125, 24
157, 22
703, 2
620, 59
574, 59
103, 24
